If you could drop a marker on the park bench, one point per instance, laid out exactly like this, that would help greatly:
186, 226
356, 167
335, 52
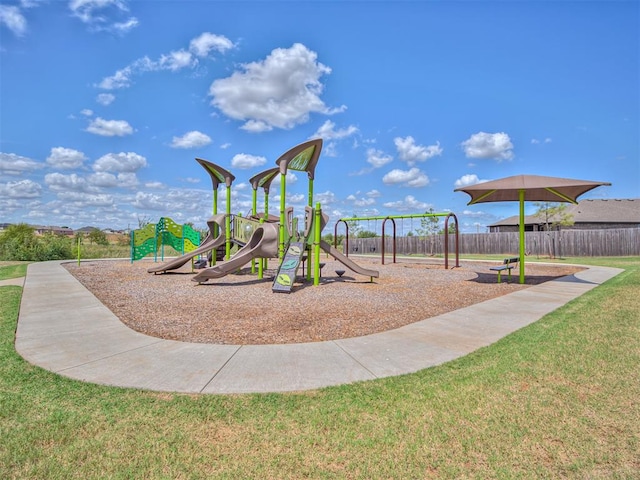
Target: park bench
507, 264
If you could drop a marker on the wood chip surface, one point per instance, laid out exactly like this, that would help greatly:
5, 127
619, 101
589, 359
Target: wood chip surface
241, 309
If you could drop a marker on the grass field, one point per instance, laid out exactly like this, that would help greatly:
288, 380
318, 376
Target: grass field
557, 399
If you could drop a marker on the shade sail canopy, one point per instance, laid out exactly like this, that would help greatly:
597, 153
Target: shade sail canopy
536, 189
522, 188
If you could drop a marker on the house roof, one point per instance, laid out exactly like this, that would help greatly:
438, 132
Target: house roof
591, 211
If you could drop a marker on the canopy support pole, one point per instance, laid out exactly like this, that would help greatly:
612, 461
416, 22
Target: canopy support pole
521, 227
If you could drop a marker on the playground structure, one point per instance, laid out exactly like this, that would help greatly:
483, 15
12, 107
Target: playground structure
393, 219
261, 236
154, 237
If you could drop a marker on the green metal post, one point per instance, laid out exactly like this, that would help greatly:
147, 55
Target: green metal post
254, 212
215, 201
263, 261
283, 219
317, 218
521, 227
227, 226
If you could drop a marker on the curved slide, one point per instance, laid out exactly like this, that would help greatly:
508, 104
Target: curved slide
209, 243
350, 264
262, 244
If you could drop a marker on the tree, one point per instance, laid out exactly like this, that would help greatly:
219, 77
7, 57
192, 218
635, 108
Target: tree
554, 216
429, 227
98, 237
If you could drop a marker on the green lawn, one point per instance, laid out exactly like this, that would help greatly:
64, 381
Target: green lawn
557, 399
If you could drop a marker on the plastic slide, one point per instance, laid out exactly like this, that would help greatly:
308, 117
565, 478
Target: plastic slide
350, 264
207, 244
262, 244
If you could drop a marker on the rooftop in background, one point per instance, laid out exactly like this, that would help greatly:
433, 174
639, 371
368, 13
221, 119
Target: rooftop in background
587, 214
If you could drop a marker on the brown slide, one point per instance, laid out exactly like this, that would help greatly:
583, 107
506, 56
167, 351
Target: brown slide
350, 264
207, 245
262, 244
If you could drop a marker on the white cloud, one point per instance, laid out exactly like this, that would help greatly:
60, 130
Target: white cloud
176, 60
489, 145
105, 98
120, 162
191, 139
377, 158
327, 131
65, 158
124, 27
59, 182
279, 92
12, 164
411, 153
325, 198
291, 179
245, 161
12, 18
82, 199
374, 194
149, 201
469, 179
409, 204
101, 15
20, 189
103, 180
411, 178
199, 47
86, 112
109, 128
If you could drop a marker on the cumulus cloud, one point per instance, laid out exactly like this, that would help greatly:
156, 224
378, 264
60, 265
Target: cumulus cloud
410, 178
12, 164
20, 189
149, 201
204, 44
191, 139
244, 161
65, 158
291, 179
488, 145
103, 15
469, 179
12, 18
60, 182
199, 48
409, 204
87, 199
109, 128
377, 158
120, 162
279, 92
105, 98
411, 153
327, 131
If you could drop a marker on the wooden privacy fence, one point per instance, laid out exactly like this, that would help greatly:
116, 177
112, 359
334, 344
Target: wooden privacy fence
566, 243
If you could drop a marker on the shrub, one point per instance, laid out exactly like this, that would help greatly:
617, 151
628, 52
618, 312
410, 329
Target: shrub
19, 242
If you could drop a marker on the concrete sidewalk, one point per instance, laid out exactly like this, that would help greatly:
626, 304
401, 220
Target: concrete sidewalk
64, 328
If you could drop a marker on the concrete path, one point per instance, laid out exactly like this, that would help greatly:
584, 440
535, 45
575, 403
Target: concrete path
63, 328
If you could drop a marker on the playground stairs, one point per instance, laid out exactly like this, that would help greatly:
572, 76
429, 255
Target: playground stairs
288, 269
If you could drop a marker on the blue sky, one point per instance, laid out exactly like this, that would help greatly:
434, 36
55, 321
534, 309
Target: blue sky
104, 104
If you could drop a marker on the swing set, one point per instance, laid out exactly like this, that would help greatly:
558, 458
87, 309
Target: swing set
393, 219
